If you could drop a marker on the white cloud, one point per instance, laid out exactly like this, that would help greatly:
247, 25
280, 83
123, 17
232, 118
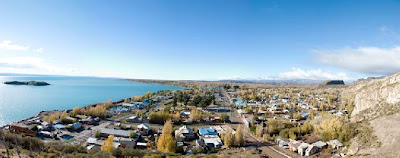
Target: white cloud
316, 74
33, 64
297, 73
6, 44
367, 60
39, 50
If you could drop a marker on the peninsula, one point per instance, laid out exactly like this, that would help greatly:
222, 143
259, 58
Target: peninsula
33, 83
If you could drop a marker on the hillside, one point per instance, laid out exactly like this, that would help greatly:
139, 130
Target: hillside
376, 96
377, 102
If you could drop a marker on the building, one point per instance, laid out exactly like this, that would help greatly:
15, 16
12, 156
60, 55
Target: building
134, 119
105, 132
21, 128
336, 144
141, 145
143, 129
92, 141
311, 150
294, 145
88, 121
302, 148
184, 133
207, 131
76, 126
125, 142
212, 141
320, 144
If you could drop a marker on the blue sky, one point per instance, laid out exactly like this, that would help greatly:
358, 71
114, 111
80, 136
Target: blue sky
204, 40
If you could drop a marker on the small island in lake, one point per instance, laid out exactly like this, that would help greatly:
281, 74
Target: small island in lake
33, 83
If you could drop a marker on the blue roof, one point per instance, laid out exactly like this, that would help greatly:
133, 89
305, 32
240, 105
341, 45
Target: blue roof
239, 102
59, 126
304, 114
207, 131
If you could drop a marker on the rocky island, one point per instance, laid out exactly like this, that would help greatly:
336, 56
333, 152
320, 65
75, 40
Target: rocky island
33, 83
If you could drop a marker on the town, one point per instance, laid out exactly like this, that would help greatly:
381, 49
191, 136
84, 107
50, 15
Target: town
204, 119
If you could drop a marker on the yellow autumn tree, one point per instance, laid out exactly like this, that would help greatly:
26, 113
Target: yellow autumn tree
239, 136
195, 116
228, 138
108, 145
74, 112
63, 115
46, 118
166, 142
52, 118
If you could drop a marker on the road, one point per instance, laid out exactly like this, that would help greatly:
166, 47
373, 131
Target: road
251, 140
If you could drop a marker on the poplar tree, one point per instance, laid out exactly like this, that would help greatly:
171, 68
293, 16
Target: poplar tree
108, 145
239, 136
166, 142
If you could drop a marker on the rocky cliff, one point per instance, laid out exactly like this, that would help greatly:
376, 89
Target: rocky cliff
377, 102
375, 96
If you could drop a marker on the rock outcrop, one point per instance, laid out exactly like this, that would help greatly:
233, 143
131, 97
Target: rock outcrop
33, 83
377, 100
375, 96
333, 82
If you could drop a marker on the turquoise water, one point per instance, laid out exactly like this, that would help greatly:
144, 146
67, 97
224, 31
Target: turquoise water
18, 102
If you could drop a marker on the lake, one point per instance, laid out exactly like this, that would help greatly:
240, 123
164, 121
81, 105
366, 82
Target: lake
18, 102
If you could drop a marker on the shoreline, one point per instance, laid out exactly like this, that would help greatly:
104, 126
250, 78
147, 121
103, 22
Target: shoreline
38, 115
41, 113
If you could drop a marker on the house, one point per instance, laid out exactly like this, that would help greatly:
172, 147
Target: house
247, 121
88, 121
185, 114
125, 142
305, 106
76, 126
212, 141
285, 100
21, 128
282, 143
287, 117
218, 129
207, 131
134, 119
91, 141
141, 145
239, 102
294, 145
59, 126
216, 120
184, 133
311, 150
300, 100
105, 132
320, 144
304, 115
140, 105
302, 148
252, 104
46, 134
128, 105
116, 144
143, 129
93, 147
120, 109
336, 144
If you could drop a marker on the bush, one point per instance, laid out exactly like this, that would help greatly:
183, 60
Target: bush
159, 117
